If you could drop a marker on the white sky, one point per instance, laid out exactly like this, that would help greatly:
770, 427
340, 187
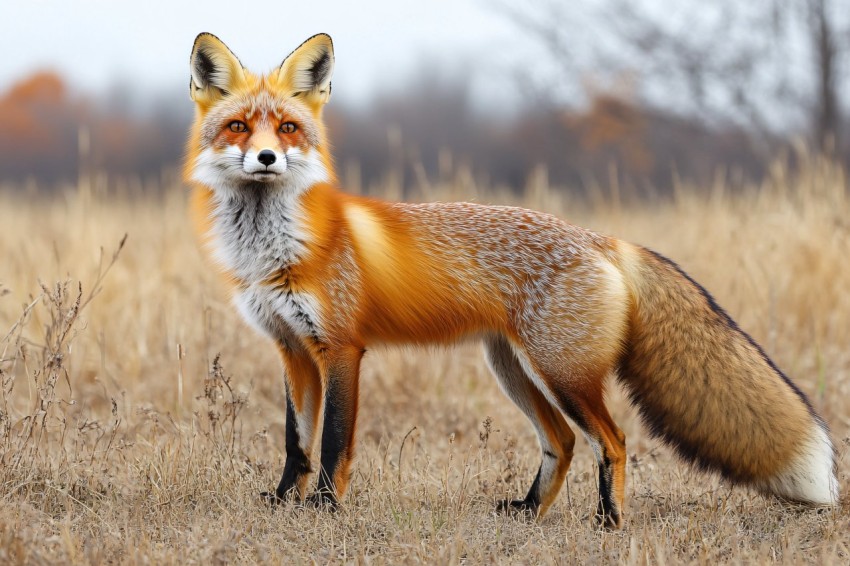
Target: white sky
97, 44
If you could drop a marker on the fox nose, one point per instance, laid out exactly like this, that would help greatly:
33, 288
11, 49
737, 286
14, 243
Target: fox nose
266, 157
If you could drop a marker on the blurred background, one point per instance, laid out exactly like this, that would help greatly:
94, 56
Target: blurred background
139, 417
638, 93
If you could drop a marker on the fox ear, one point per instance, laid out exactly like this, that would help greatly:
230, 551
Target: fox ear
215, 69
307, 70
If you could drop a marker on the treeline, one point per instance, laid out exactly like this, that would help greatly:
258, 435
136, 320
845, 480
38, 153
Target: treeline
429, 130
48, 134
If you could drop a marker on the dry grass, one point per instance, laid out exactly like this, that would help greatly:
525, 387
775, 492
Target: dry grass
123, 441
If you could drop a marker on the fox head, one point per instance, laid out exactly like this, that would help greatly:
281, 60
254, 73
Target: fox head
259, 130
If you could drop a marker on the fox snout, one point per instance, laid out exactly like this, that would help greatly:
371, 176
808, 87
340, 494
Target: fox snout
264, 160
263, 151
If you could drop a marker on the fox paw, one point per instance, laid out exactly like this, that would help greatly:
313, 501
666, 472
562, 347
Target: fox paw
322, 500
518, 507
610, 521
279, 497
271, 498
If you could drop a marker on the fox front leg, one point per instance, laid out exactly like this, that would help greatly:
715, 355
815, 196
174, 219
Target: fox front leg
304, 393
341, 400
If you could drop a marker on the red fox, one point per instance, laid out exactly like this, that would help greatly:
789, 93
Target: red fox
326, 275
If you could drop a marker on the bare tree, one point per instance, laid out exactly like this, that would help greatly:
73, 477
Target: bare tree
827, 53
771, 65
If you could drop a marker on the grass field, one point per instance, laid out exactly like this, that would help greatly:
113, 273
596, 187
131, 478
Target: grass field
125, 441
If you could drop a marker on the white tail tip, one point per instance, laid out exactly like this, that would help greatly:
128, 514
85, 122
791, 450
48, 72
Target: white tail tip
810, 478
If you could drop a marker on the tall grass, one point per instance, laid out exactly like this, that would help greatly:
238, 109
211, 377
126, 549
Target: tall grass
140, 418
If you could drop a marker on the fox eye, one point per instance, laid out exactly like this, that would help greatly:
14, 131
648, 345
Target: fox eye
288, 127
237, 126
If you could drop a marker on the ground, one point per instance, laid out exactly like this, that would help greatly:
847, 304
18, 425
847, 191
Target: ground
124, 440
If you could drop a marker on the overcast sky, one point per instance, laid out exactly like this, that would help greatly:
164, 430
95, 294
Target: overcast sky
97, 44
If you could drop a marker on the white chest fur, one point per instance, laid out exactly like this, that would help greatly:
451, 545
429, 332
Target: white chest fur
257, 232
256, 235
280, 313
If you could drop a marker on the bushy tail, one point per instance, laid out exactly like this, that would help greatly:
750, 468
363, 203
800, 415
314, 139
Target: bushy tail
704, 386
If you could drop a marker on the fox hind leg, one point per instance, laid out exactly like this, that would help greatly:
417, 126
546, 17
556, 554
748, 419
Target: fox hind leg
586, 408
555, 436
576, 386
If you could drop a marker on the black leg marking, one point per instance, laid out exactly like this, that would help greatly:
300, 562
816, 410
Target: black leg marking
297, 463
337, 436
607, 514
